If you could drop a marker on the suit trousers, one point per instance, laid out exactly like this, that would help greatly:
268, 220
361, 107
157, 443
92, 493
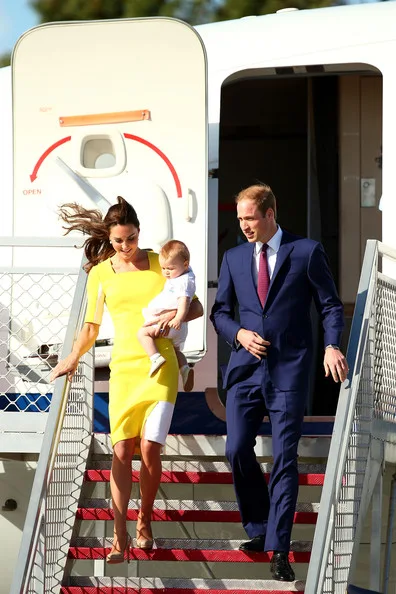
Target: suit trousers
265, 510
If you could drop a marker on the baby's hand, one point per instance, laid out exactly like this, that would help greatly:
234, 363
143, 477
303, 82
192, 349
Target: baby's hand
175, 323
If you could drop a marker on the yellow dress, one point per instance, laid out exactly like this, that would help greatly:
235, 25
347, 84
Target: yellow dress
132, 394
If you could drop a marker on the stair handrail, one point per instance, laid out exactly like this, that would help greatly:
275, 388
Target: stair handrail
360, 343
32, 567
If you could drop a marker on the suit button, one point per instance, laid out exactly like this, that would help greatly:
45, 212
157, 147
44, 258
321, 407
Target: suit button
265, 317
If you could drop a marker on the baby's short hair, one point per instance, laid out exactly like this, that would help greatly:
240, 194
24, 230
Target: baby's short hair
175, 249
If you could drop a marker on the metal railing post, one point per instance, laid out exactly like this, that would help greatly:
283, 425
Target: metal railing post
364, 435
38, 554
343, 422
375, 543
389, 534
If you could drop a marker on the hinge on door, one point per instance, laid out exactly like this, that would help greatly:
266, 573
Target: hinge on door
212, 284
213, 173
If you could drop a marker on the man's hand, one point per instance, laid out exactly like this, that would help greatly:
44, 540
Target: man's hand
253, 343
335, 364
162, 322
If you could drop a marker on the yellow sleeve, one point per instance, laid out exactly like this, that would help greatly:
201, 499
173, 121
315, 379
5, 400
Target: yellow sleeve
95, 298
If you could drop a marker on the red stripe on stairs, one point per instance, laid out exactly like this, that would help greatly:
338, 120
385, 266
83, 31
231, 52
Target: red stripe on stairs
187, 555
204, 478
122, 590
183, 515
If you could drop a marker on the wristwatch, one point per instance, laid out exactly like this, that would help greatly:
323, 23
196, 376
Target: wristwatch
333, 346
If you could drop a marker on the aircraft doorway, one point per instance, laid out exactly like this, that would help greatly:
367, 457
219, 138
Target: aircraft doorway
292, 133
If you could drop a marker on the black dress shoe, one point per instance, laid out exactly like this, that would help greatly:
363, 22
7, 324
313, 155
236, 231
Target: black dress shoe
280, 567
256, 544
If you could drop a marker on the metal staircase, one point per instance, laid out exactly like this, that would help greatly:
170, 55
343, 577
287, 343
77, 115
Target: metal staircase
195, 521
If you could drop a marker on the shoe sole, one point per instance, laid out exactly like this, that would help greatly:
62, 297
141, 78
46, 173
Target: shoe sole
115, 561
146, 547
252, 550
154, 369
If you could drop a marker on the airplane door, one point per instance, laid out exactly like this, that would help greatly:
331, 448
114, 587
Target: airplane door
108, 108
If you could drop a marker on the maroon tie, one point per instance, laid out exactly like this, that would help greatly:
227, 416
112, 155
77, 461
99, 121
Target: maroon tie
263, 279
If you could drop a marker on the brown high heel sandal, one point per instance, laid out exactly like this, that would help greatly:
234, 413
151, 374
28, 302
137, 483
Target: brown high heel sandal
142, 542
119, 557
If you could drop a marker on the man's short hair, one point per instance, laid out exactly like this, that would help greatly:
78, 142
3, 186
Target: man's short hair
261, 194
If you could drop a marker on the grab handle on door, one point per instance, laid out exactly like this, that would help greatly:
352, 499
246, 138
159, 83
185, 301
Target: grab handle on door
188, 205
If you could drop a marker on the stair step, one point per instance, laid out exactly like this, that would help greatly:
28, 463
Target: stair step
186, 511
126, 590
192, 465
214, 445
106, 585
184, 549
186, 543
203, 478
209, 555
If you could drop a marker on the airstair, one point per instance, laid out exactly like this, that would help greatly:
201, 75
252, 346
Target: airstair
196, 526
196, 522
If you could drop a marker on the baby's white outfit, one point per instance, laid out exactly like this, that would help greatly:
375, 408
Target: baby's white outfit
174, 288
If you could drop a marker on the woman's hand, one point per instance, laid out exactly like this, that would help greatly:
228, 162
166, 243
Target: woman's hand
175, 323
162, 322
86, 339
65, 366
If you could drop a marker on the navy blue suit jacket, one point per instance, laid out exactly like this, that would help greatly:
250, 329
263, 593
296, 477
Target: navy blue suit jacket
301, 275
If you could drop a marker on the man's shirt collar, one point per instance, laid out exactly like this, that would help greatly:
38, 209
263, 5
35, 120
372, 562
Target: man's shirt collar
273, 243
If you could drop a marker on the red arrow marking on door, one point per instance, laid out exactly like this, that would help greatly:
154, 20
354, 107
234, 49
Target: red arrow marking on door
154, 148
49, 150
163, 156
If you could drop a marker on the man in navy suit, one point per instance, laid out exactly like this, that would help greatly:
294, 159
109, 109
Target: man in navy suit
272, 279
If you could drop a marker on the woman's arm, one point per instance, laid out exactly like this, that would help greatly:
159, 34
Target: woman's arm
85, 340
162, 320
195, 311
183, 305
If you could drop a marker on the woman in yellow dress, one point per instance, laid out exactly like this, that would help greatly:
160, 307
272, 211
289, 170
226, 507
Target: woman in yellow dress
126, 278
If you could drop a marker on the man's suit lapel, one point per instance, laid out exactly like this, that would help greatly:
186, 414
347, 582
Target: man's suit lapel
285, 248
247, 268
246, 264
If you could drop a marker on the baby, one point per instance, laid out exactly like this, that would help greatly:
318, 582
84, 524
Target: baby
174, 259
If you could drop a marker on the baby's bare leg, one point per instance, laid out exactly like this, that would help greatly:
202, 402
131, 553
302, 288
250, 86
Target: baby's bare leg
146, 336
181, 359
186, 372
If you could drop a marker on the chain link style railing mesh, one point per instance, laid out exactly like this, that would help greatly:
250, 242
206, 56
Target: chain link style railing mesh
34, 310
64, 486
37, 284
347, 507
43, 312
366, 414
385, 360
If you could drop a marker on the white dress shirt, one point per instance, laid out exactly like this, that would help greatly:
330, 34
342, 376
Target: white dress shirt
272, 254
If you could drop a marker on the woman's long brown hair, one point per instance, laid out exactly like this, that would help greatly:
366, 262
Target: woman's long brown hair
97, 247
